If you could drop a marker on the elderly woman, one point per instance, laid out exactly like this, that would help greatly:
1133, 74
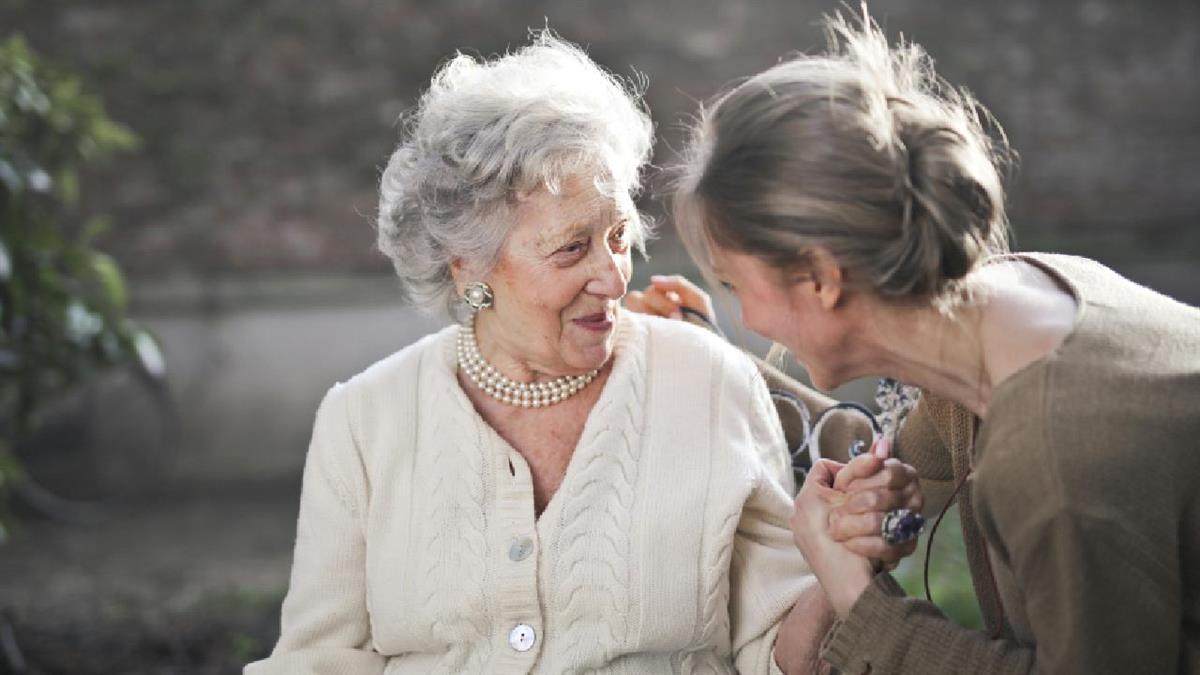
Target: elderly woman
555, 485
851, 202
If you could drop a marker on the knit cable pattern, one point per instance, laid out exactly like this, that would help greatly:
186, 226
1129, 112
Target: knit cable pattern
592, 576
715, 620
455, 534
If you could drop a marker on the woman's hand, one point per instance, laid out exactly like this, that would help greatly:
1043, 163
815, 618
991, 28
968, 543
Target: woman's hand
842, 573
667, 295
871, 485
798, 643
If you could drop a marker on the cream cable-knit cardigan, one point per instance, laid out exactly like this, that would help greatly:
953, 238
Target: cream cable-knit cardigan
666, 549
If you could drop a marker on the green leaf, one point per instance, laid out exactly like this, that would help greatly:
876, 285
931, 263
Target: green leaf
32, 100
10, 467
68, 186
67, 89
94, 228
63, 305
112, 136
111, 281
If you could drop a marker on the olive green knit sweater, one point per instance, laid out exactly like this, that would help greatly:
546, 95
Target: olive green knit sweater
1082, 510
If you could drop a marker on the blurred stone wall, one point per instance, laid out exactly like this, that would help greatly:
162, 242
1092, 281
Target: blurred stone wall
265, 123
244, 220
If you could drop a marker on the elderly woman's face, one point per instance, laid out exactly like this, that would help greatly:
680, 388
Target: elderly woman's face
559, 281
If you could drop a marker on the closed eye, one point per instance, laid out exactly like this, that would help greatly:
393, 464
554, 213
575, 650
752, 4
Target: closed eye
573, 247
728, 286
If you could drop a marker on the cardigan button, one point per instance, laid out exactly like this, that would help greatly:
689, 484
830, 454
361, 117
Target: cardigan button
520, 549
522, 637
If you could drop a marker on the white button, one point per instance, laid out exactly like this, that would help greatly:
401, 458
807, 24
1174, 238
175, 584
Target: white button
522, 637
520, 549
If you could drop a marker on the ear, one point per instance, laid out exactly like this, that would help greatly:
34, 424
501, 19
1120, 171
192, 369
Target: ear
827, 278
459, 272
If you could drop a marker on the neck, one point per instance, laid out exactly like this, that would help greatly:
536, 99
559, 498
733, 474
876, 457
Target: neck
502, 356
533, 394
938, 353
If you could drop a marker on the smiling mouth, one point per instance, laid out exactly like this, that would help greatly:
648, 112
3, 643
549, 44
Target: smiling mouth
598, 322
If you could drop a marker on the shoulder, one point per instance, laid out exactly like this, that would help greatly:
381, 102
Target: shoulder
1110, 297
1072, 268
691, 344
701, 371
388, 389
401, 367
362, 420
687, 357
685, 354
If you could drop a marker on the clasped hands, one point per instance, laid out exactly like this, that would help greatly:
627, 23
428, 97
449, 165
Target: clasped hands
838, 520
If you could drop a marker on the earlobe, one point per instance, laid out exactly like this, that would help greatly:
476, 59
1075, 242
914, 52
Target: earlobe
457, 270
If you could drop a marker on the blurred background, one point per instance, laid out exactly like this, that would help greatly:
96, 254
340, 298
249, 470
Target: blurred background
225, 216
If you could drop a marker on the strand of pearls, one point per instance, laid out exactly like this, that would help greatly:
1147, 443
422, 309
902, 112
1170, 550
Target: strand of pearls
505, 390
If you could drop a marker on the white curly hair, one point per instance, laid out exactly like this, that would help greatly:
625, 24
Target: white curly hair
487, 131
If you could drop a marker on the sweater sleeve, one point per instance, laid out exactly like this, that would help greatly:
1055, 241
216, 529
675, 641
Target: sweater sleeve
767, 571
887, 632
767, 575
325, 623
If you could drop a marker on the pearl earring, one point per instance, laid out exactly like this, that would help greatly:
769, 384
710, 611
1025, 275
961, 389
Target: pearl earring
478, 295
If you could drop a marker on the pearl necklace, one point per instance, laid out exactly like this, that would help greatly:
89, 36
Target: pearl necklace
505, 390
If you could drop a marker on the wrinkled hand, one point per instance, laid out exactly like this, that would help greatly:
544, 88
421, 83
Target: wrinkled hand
667, 294
798, 643
871, 485
843, 573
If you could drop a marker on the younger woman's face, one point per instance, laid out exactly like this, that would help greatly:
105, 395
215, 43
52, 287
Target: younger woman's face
788, 310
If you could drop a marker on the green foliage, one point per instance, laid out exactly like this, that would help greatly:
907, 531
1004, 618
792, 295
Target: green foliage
62, 302
949, 577
245, 647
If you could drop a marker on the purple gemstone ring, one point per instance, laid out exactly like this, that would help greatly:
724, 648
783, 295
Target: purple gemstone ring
900, 526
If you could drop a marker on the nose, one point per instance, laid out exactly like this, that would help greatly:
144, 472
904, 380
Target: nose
610, 276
